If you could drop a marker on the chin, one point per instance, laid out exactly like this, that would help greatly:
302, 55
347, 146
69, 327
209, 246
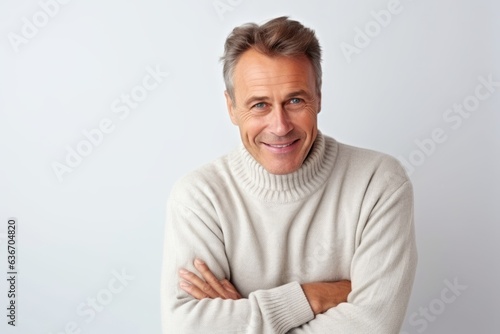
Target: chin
280, 170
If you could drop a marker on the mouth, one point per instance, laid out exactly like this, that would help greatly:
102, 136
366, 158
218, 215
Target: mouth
281, 147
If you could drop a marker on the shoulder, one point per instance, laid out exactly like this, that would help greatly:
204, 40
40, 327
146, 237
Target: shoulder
368, 167
202, 183
369, 160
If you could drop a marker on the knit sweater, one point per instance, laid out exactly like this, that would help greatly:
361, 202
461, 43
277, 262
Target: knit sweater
346, 214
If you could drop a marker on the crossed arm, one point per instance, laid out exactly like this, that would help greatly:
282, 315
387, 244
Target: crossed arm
381, 273
321, 295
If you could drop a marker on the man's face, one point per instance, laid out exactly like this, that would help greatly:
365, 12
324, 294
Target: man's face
275, 107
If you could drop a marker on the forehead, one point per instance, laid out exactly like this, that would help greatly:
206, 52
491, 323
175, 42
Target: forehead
256, 71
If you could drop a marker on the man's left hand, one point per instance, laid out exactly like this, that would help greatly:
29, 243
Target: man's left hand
208, 286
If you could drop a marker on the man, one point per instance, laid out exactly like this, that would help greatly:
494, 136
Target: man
293, 231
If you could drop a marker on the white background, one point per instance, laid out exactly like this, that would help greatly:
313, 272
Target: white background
106, 216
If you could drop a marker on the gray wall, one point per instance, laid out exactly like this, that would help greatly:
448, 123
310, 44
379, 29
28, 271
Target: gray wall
90, 227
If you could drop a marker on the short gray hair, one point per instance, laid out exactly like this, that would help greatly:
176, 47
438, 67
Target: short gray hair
277, 37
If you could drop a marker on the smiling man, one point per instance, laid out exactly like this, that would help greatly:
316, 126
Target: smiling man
275, 107
293, 232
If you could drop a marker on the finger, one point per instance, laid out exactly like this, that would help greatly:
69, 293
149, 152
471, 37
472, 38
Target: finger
230, 287
199, 284
210, 278
193, 290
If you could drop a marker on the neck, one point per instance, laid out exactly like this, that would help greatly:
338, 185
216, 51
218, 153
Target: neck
287, 187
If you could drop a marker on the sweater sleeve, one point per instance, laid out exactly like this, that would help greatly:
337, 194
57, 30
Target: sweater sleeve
382, 272
192, 233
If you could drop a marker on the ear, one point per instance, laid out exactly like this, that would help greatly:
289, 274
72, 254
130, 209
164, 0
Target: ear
319, 103
231, 108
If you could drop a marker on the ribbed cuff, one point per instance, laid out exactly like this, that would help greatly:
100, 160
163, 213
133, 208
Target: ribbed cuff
285, 307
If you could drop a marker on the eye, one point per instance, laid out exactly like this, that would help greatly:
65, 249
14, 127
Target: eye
295, 104
260, 106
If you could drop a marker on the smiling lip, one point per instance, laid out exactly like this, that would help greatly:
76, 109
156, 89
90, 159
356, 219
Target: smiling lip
281, 148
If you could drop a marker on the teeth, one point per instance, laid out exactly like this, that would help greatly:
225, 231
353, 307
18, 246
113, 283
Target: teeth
280, 146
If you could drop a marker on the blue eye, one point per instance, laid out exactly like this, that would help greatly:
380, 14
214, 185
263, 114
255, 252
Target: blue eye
295, 104
260, 105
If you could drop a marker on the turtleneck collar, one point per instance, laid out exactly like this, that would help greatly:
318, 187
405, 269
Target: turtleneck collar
287, 187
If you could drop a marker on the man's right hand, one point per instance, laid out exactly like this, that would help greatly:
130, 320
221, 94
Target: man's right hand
322, 296
208, 286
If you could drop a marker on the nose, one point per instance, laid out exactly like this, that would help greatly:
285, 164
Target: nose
280, 124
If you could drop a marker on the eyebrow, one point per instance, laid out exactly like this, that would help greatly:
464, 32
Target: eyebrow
253, 99
299, 92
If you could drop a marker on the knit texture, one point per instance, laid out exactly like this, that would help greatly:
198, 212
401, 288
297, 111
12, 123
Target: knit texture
347, 213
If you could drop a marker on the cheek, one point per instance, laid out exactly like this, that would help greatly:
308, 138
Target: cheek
308, 119
247, 120
252, 123
250, 129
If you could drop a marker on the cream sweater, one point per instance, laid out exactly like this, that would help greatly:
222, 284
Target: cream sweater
347, 213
